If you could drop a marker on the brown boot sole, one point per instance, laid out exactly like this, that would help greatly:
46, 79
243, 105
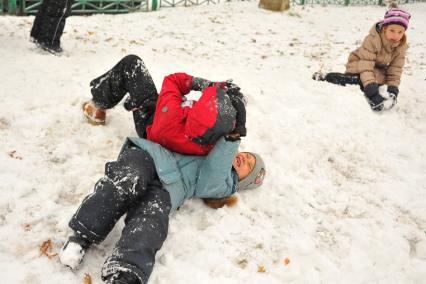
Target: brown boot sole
89, 118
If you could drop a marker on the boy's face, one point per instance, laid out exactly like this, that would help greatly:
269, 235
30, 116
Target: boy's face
394, 32
243, 164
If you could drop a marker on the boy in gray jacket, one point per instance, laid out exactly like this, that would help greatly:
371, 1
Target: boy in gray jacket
147, 182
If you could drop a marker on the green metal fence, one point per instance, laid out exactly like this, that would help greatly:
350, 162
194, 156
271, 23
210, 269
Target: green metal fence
173, 3
7, 5
352, 2
30, 7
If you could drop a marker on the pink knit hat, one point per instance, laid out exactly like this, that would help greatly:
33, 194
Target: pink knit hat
396, 16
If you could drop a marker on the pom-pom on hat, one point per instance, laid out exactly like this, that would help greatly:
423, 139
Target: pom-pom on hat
396, 16
256, 176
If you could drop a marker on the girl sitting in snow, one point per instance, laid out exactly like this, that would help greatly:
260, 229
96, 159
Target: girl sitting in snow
378, 61
182, 126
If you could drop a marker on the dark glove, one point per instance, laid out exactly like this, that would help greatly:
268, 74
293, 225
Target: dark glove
393, 94
238, 102
373, 96
393, 90
228, 86
199, 84
232, 89
392, 100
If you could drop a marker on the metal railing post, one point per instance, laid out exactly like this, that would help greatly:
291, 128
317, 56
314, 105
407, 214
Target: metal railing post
11, 7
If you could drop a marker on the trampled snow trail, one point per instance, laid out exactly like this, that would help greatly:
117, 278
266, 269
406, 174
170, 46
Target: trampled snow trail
344, 195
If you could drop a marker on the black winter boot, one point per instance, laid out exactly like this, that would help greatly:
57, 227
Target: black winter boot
318, 76
123, 278
54, 49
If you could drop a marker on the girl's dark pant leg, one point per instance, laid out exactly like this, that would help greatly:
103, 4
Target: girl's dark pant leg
343, 79
129, 75
145, 230
123, 185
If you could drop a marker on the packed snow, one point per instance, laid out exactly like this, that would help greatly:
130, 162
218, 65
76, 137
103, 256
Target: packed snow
71, 256
345, 189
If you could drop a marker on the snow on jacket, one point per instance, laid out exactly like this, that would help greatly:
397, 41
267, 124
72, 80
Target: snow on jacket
378, 59
185, 176
194, 128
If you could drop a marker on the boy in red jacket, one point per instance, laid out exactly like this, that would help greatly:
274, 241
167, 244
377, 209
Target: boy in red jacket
167, 118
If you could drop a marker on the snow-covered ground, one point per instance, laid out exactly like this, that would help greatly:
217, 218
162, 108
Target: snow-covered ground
345, 196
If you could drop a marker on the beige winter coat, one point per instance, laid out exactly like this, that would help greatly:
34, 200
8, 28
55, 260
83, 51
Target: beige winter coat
378, 59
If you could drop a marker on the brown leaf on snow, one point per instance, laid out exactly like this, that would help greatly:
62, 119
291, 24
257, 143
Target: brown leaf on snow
26, 227
87, 279
286, 261
46, 249
90, 33
261, 269
14, 155
215, 20
242, 263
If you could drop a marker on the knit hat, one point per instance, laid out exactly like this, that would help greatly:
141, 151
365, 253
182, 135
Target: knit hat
256, 176
396, 16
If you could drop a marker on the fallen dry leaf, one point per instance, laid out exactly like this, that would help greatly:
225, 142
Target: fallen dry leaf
45, 249
14, 155
26, 227
242, 263
261, 269
87, 279
286, 261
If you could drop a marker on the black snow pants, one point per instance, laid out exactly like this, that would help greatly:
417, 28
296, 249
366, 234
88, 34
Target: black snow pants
129, 75
49, 22
130, 186
343, 78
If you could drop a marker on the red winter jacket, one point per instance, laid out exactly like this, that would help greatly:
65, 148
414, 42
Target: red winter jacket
190, 130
